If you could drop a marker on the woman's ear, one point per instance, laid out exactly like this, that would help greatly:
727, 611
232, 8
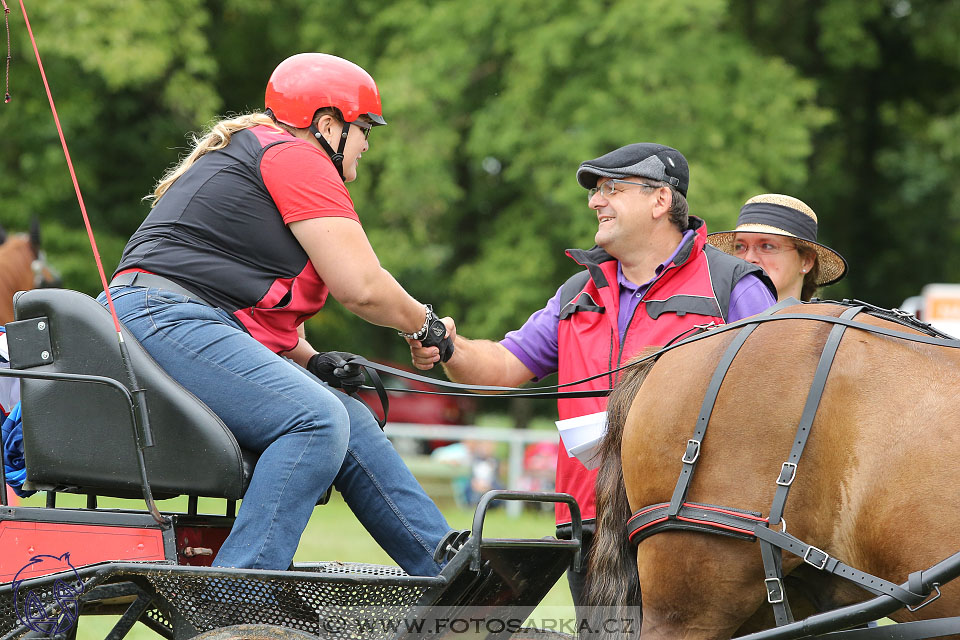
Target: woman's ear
325, 125
807, 258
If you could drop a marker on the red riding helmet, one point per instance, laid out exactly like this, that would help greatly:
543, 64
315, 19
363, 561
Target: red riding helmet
303, 83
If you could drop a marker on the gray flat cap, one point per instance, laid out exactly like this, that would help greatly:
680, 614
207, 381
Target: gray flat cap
643, 160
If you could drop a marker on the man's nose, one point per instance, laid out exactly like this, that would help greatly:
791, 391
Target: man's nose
597, 200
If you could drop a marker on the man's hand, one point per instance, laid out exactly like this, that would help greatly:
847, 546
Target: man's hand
428, 352
335, 368
437, 337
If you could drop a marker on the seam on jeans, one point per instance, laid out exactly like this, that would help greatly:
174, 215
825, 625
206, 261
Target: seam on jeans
273, 516
146, 306
393, 507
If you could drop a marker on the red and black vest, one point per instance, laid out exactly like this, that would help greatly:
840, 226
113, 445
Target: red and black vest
218, 233
694, 289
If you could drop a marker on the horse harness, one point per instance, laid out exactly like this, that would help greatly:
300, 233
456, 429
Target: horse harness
679, 514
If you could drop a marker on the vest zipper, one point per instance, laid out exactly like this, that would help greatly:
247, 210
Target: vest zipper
633, 315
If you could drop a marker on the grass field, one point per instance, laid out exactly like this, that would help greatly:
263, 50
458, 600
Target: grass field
334, 534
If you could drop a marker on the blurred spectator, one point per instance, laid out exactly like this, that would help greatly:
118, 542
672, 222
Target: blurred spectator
484, 469
539, 471
481, 469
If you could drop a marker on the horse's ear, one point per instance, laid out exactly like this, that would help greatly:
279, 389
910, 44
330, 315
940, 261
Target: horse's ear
3, 234
35, 233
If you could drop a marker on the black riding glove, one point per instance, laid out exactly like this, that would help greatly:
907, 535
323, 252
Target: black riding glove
335, 368
432, 334
436, 332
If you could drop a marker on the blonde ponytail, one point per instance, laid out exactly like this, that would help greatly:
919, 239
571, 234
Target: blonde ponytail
216, 138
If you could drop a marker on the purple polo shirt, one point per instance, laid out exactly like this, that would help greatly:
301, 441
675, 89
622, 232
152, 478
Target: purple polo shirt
535, 343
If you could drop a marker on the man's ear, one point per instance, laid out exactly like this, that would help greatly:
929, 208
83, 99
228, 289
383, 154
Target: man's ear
662, 205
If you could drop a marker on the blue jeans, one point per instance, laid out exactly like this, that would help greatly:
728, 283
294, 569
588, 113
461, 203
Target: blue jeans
308, 436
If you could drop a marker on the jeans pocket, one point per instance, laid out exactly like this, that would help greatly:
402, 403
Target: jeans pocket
156, 297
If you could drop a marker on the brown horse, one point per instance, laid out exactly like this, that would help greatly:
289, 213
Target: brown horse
22, 267
877, 486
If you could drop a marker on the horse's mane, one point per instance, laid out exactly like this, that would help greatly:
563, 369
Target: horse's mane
614, 560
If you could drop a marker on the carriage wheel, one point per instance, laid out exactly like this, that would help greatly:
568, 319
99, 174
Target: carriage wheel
540, 634
255, 632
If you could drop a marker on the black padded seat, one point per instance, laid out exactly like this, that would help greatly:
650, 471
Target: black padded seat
78, 437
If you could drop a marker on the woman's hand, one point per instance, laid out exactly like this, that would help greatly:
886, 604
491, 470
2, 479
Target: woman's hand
426, 353
336, 369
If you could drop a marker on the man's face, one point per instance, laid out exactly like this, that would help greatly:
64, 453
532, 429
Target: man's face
624, 212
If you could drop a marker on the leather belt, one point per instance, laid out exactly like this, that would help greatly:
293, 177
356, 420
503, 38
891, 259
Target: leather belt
141, 279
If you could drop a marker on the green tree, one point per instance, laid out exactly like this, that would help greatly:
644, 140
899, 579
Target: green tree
469, 195
883, 173
128, 79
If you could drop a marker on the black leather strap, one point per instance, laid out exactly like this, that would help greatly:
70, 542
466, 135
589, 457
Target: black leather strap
692, 453
823, 561
869, 328
773, 581
788, 470
521, 392
381, 393
772, 558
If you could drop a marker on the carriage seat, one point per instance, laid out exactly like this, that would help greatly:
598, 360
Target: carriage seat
78, 436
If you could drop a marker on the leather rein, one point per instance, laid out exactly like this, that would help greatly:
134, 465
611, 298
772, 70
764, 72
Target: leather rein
679, 514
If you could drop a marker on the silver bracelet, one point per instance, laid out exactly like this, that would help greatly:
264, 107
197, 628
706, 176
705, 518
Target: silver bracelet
422, 333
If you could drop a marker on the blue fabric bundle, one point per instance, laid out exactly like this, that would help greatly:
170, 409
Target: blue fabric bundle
11, 434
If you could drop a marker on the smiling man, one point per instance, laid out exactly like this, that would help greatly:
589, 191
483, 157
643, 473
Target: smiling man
651, 277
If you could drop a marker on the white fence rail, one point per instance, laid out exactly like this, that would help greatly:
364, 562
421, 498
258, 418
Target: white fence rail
517, 439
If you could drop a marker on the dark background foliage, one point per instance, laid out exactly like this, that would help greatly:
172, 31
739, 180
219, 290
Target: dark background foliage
469, 195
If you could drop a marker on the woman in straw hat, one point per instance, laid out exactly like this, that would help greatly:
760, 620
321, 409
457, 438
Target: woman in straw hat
779, 233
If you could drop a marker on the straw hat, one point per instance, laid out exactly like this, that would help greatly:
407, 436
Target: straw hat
780, 215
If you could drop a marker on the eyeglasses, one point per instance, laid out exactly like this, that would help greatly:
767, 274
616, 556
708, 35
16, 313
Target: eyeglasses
365, 127
607, 189
765, 248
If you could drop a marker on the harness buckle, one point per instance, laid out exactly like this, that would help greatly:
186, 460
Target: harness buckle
822, 563
930, 599
692, 453
788, 471
774, 590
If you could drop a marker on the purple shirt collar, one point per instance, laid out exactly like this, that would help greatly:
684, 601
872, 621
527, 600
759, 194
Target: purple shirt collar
630, 292
627, 284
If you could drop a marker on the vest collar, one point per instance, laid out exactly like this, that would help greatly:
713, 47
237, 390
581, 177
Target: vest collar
596, 256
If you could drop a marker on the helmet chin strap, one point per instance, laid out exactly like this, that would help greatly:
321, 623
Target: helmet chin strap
336, 156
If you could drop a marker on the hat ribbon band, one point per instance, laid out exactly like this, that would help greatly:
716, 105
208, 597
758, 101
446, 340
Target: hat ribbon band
779, 216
